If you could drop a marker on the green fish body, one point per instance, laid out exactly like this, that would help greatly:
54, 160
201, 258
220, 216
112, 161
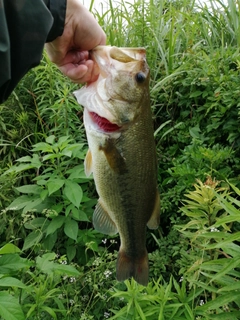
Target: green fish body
122, 154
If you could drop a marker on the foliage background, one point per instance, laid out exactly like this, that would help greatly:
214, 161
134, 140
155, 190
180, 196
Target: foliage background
53, 265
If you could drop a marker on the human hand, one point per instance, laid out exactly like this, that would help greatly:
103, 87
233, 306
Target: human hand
70, 51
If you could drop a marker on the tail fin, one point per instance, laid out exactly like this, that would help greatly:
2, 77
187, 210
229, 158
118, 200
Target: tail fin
132, 267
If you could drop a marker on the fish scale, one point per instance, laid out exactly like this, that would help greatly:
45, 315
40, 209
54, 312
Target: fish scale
123, 161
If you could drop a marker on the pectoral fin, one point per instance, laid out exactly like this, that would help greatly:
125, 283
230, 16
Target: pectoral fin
114, 157
154, 221
88, 163
102, 221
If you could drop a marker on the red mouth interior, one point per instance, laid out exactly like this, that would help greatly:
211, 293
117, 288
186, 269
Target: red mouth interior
103, 123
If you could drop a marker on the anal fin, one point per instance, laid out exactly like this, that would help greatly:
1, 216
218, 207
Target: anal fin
154, 221
102, 222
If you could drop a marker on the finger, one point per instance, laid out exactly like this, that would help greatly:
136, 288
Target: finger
75, 57
87, 72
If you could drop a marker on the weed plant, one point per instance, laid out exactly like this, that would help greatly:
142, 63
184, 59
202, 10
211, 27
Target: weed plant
53, 265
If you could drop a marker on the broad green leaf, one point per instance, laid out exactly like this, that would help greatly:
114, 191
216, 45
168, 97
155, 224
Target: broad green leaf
32, 203
11, 282
46, 266
44, 263
71, 252
79, 215
42, 146
66, 270
36, 223
24, 159
44, 194
12, 262
50, 139
77, 172
50, 156
54, 185
66, 152
71, 229
49, 241
32, 239
9, 248
10, 308
30, 188
73, 192
195, 94
55, 224
19, 203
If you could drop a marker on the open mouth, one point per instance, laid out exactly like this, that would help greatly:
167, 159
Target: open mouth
103, 123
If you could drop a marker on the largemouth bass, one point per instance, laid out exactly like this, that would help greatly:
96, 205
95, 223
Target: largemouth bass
122, 154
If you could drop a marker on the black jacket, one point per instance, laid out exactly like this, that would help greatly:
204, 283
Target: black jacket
25, 26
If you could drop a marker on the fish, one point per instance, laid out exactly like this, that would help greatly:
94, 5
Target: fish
122, 154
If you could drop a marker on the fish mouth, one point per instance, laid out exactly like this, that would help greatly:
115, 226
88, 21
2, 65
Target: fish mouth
104, 124
104, 55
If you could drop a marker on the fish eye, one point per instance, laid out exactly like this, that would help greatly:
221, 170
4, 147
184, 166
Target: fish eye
140, 77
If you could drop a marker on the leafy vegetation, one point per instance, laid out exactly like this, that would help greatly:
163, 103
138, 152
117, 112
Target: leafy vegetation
53, 265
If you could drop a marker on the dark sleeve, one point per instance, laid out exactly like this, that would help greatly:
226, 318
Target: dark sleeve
25, 26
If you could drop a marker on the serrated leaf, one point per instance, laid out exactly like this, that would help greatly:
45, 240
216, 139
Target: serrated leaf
73, 192
32, 239
10, 308
71, 229
54, 185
